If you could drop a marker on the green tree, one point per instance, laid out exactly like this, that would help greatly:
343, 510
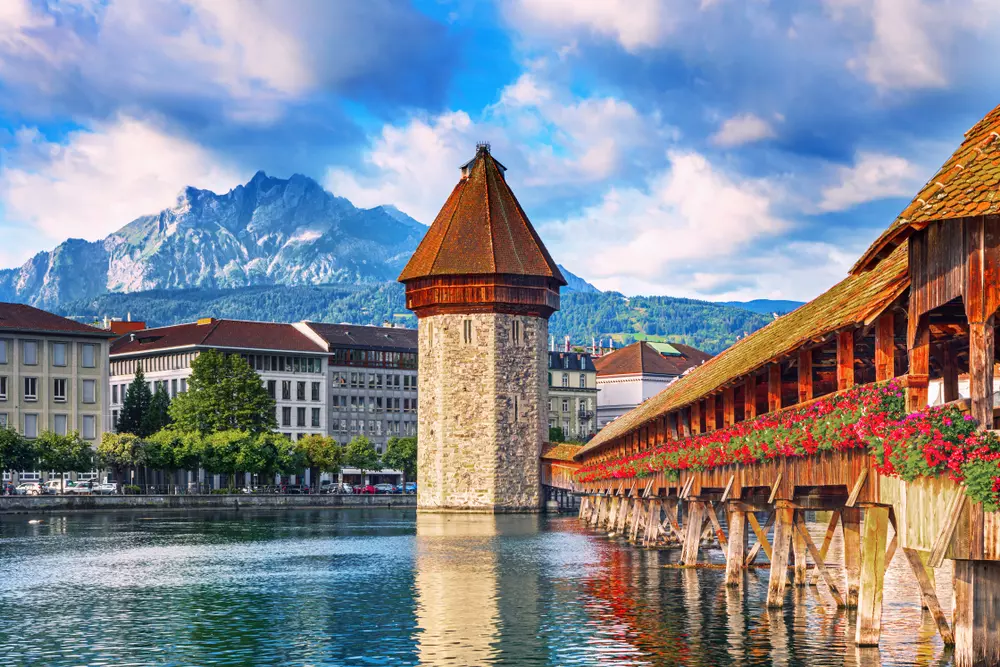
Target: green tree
135, 405
157, 415
222, 452
401, 454
556, 434
361, 454
16, 452
270, 453
224, 394
64, 453
119, 452
320, 454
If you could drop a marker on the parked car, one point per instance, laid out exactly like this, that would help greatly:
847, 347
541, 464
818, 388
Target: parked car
411, 487
56, 486
364, 488
344, 488
295, 489
384, 488
106, 489
82, 488
29, 489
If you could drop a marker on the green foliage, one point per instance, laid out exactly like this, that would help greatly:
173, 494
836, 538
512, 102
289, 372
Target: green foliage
224, 394
361, 454
401, 454
16, 452
157, 416
120, 451
320, 454
556, 434
64, 453
131, 490
135, 406
222, 451
268, 454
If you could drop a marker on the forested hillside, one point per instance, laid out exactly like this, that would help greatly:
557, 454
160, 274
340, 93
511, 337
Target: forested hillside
707, 326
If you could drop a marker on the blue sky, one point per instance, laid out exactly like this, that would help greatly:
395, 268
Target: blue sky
719, 149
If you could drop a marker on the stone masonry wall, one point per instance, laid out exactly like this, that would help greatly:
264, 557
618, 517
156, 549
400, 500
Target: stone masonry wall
474, 452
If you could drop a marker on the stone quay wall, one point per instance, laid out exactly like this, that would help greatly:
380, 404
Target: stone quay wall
36, 504
483, 412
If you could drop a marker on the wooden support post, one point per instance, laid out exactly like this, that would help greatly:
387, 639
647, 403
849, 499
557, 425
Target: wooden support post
774, 387
977, 608
783, 526
845, 360
873, 544
761, 535
636, 520
728, 406
805, 375
925, 579
800, 526
885, 347
710, 424
919, 348
799, 554
850, 522
981, 371
720, 534
696, 418
692, 538
949, 373
737, 547
831, 529
750, 397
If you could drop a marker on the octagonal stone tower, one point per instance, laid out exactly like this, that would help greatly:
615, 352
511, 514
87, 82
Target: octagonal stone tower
483, 287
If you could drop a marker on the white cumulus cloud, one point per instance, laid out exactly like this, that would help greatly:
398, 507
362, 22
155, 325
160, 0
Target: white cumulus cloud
742, 129
635, 24
873, 176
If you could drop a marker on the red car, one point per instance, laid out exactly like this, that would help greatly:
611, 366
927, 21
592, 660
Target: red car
364, 488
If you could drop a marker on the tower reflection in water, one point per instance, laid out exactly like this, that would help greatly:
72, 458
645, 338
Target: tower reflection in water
475, 605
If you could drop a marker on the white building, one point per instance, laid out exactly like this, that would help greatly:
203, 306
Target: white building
629, 376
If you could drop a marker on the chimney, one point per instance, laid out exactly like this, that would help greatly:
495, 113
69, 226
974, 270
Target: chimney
567, 343
552, 343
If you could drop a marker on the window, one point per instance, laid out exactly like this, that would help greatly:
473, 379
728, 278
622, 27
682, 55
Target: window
114, 419
59, 424
515, 332
3, 420
565, 405
90, 391
59, 390
286, 416
3, 387
30, 426
300, 391
30, 349
3, 351
315, 417
173, 388
300, 416
315, 391
583, 380
467, 331
89, 427
272, 388
565, 379
58, 354
565, 361
184, 385
517, 409
87, 355
31, 389
286, 390
114, 394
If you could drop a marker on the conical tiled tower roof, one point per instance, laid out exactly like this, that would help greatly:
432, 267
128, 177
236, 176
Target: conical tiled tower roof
481, 230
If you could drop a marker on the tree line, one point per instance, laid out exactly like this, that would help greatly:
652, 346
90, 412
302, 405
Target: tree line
223, 424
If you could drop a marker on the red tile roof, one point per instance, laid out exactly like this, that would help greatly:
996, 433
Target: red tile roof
642, 359
233, 334
481, 229
20, 317
968, 184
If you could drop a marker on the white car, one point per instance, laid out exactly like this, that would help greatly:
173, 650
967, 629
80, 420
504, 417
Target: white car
106, 489
55, 486
82, 488
29, 489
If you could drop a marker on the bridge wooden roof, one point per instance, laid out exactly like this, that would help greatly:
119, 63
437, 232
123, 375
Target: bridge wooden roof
481, 230
560, 451
855, 300
968, 184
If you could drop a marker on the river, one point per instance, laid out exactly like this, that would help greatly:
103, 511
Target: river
388, 587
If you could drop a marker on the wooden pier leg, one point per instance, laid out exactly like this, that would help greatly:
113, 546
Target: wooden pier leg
799, 552
831, 529
637, 515
737, 548
873, 545
596, 512
692, 538
977, 608
928, 594
924, 557
609, 525
850, 521
783, 525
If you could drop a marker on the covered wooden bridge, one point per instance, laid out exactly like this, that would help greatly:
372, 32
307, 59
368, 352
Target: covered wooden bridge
915, 322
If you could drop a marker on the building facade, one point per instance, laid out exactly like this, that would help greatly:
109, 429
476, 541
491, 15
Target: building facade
573, 394
483, 287
53, 377
632, 374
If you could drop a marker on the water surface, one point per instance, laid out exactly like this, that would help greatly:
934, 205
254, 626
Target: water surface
386, 587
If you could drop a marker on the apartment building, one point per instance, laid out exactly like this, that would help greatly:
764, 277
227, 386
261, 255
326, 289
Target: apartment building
291, 365
53, 377
572, 394
372, 373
